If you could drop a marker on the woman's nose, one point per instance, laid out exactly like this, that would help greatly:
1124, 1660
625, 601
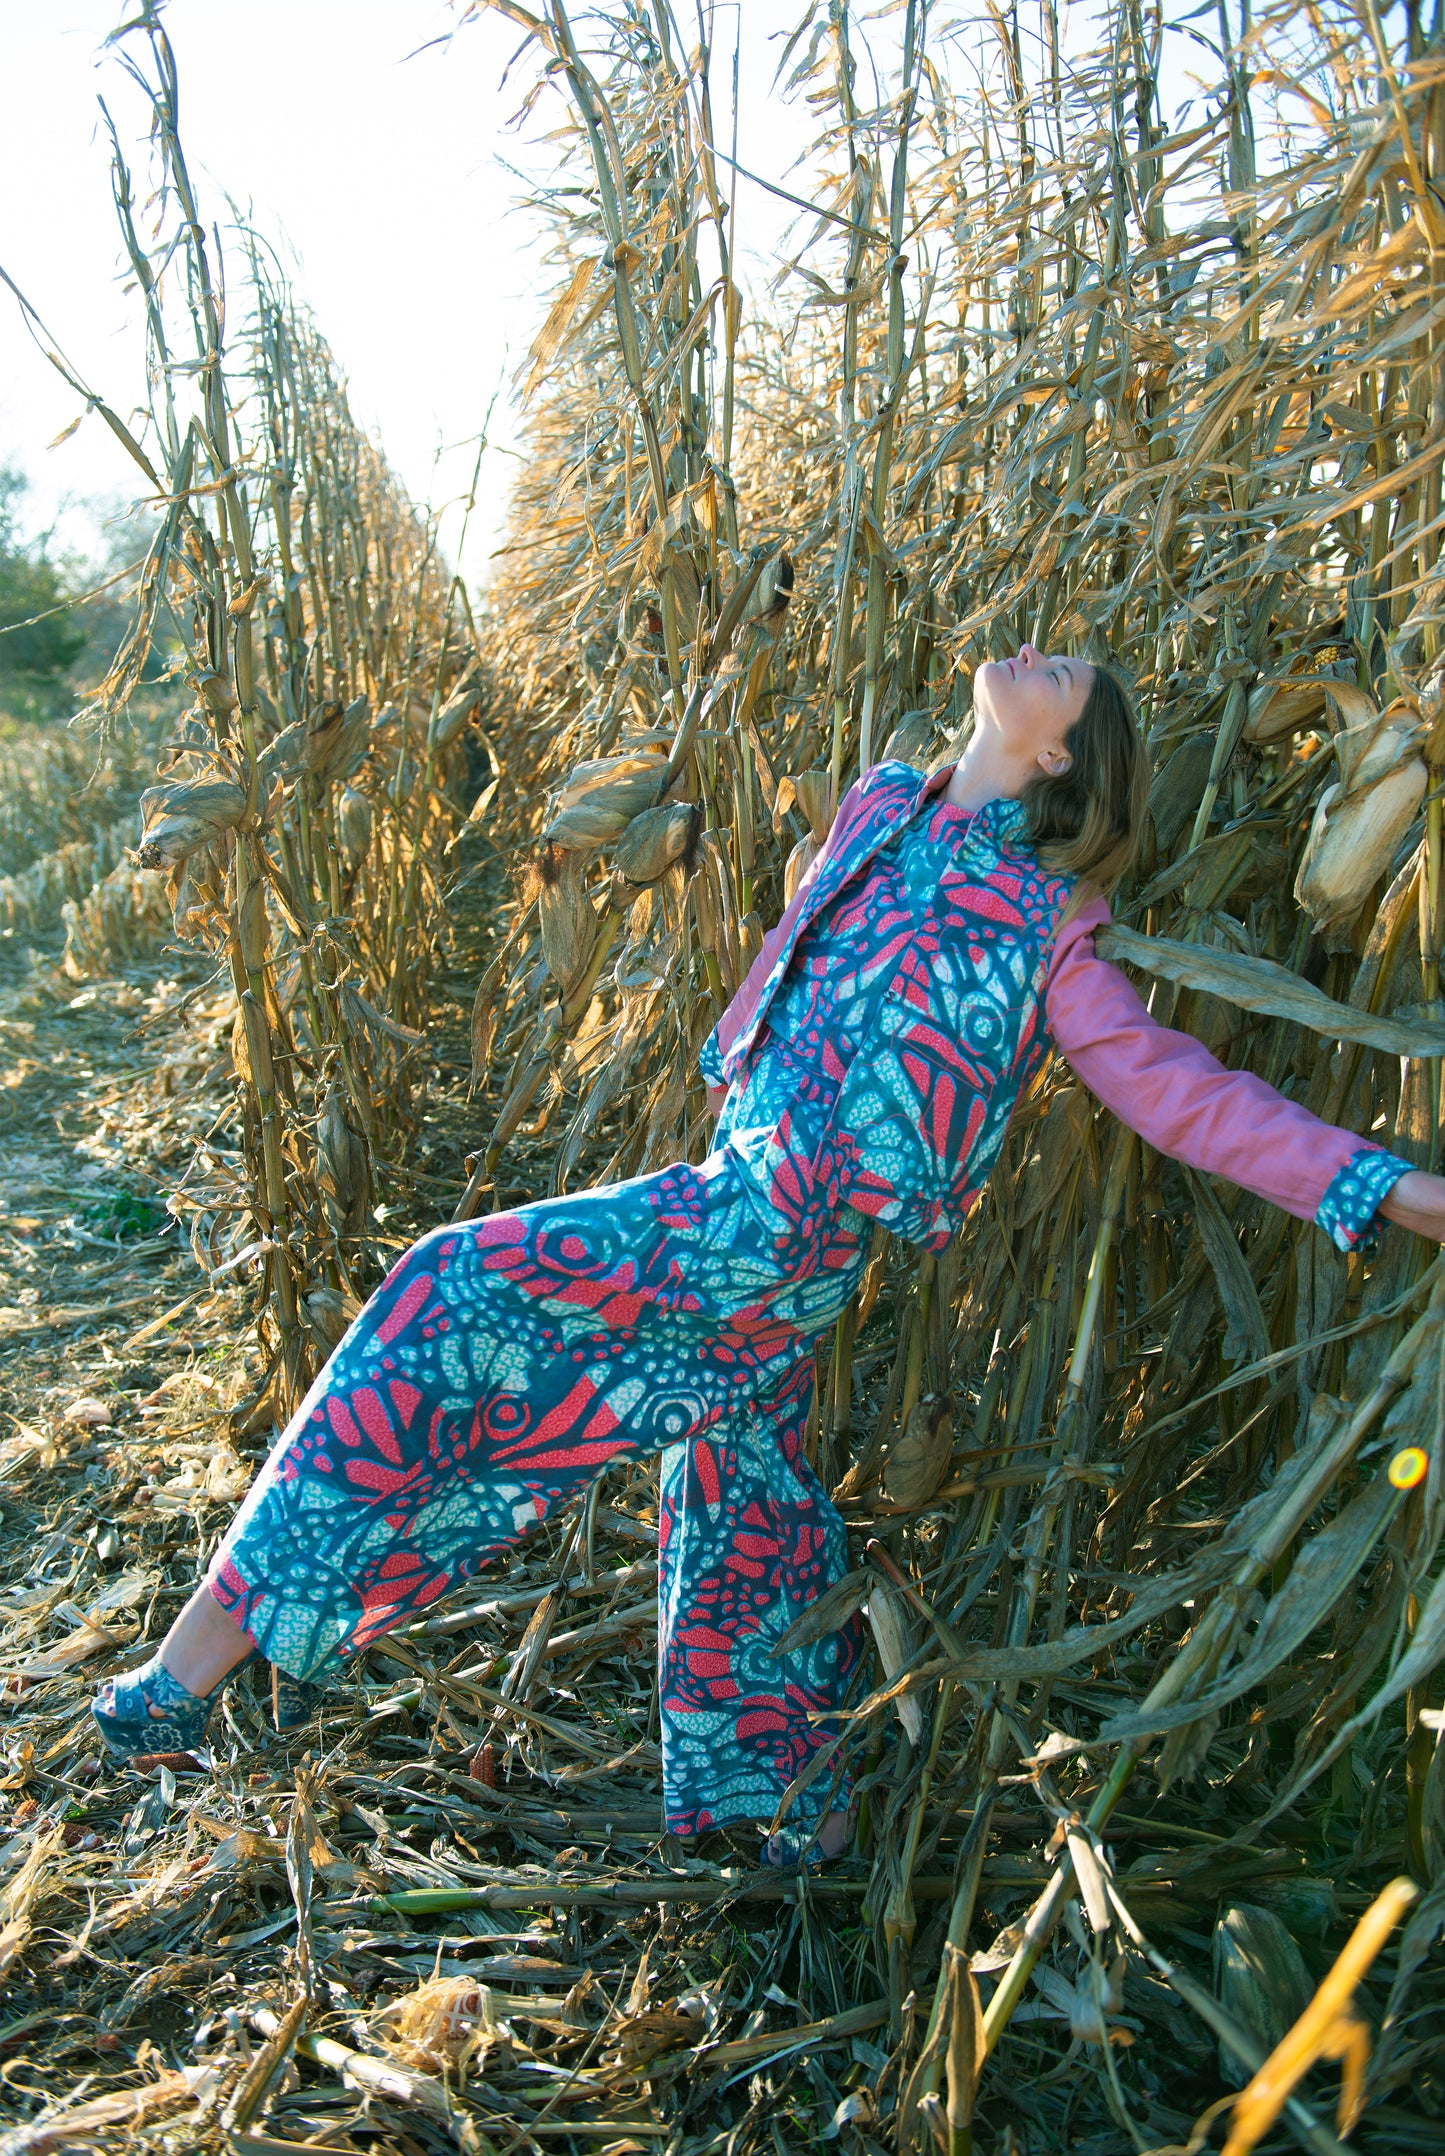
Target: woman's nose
1029, 653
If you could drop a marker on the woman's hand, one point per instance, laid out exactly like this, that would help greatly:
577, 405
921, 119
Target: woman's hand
1418, 1202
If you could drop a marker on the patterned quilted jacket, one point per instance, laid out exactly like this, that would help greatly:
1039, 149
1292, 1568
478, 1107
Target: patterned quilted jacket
955, 1035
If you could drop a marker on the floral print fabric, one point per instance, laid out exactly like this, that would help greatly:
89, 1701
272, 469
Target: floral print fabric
912, 978
506, 1362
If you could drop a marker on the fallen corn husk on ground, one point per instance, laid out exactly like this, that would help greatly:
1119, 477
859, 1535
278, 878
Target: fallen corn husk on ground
1142, 1479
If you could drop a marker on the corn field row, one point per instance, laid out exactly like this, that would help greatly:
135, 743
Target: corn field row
302, 804
1042, 364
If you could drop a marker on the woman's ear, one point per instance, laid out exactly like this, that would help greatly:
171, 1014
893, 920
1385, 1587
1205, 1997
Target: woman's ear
1055, 762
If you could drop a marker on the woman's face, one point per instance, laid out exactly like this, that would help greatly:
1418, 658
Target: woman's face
1031, 701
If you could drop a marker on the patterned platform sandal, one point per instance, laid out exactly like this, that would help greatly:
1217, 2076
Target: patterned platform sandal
122, 1711
293, 1701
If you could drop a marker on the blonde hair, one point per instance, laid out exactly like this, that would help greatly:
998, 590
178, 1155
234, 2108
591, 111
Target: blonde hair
1086, 823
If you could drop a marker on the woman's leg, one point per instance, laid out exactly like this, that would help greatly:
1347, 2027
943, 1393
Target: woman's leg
748, 1542
503, 1366
500, 1367
165, 1705
204, 1644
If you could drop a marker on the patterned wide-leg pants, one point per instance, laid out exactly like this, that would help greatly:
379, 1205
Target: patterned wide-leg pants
503, 1365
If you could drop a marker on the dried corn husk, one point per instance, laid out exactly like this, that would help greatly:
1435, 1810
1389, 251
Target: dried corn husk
215, 692
682, 583
600, 799
910, 740
1261, 1978
353, 825
654, 840
1365, 752
772, 591
704, 902
565, 916
182, 815
1178, 788
458, 710
1353, 840
328, 1313
1349, 706
343, 1172
814, 790
283, 757
1097, 1992
834, 1608
919, 1461
888, 1622
584, 779
1283, 706
796, 867
444, 2023
336, 739
193, 890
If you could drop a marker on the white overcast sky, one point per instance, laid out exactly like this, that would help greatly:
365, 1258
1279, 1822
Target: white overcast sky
376, 157
370, 141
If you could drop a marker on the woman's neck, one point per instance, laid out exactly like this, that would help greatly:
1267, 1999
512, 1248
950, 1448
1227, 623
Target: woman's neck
984, 772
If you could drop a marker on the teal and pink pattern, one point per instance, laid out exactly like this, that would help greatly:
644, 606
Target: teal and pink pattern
1164, 1084
506, 1363
939, 949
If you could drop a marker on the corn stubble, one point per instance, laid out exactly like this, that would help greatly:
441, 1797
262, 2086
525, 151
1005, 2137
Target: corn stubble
1155, 1634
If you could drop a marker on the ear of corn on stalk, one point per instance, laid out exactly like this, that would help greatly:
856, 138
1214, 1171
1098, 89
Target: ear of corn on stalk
183, 815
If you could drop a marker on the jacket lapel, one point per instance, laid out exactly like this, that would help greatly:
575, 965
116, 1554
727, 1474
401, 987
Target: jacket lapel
885, 807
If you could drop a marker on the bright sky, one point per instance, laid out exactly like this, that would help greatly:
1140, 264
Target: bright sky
370, 141
382, 165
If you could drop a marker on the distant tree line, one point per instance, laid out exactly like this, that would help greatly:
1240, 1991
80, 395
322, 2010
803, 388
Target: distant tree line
61, 618
41, 638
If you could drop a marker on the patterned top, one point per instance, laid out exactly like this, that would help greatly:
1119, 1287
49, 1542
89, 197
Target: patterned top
909, 1008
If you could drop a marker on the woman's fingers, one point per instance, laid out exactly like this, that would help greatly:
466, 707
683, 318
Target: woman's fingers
1417, 1202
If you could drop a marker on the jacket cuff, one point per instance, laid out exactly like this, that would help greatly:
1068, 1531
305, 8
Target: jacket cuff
1349, 1208
709, 1061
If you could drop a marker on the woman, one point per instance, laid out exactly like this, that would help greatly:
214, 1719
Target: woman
940, 943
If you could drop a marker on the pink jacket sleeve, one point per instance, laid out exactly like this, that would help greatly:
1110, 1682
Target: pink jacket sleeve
1180, 1098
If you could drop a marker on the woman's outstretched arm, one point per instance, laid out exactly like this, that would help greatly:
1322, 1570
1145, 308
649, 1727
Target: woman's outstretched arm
1184, 1102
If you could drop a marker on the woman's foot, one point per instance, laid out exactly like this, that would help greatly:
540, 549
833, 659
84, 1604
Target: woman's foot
785, 1851
148, 1710
293, 1701
166, 1704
